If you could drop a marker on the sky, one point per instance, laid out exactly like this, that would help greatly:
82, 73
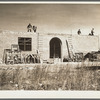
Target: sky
51, 18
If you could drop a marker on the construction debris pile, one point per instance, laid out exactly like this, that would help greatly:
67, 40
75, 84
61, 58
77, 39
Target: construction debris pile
14, 56
79, 57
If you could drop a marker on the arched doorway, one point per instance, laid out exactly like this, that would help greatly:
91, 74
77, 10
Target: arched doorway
55, 48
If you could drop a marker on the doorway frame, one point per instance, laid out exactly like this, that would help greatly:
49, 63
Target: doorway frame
60, 46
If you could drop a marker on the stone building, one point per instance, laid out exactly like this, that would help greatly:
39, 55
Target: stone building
48, 45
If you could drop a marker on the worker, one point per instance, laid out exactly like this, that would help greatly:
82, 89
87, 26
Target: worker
34, 28
29, 27
79, 32
92, 31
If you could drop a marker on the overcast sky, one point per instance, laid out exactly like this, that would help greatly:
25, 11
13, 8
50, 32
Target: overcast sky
53, 18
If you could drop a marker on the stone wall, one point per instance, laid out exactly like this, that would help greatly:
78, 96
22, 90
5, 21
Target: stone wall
77, 43
83, 43
8, 38
46, 44
41, 41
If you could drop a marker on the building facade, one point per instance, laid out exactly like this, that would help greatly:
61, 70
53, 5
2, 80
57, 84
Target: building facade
48, 45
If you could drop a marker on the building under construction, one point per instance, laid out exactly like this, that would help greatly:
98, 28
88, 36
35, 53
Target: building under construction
33, 47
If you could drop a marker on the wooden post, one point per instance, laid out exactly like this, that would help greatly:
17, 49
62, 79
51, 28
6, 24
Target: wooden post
68, 49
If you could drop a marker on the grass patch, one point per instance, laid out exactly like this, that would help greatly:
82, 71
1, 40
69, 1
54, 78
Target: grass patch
49, 77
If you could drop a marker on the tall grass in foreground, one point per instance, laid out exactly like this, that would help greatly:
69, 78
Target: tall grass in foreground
49, 77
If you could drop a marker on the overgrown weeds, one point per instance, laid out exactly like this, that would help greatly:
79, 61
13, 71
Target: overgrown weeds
49, 77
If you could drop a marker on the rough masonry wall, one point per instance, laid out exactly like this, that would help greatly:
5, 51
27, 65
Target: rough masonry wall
9, 38
83, 43
77, 43
41, 41
45, 47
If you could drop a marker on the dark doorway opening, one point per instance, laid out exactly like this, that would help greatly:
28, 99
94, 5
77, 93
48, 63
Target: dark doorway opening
55, 48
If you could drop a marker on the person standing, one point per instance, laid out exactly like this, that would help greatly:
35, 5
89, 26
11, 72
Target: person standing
92, 31
29, 27
79, 32
34, 28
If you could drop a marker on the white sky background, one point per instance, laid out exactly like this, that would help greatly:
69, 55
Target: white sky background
53, 18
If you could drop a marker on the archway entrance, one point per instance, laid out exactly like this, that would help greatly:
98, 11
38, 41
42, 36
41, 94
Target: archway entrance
55, 48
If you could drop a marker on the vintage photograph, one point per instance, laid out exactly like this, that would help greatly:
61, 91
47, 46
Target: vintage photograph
50, 47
